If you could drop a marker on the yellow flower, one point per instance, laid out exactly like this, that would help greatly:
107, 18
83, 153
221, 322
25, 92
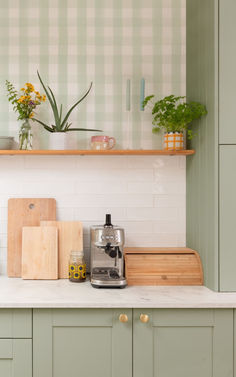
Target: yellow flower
29, 86
31, 115
44, 98
21, 99
23, 89
38, 94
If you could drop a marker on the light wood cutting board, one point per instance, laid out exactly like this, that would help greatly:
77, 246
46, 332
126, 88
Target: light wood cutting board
24, 212
70, 237
40, 252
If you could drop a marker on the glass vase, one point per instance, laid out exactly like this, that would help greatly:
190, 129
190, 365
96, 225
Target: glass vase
25, 136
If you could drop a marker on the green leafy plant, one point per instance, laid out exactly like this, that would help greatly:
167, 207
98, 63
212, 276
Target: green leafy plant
61, 123
173, 114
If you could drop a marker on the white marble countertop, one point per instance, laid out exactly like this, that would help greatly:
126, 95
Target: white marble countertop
18, 293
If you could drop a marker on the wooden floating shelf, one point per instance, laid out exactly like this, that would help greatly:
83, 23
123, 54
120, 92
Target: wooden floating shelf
113, 152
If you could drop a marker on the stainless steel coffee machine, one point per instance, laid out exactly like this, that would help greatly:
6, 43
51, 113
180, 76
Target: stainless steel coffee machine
107, 258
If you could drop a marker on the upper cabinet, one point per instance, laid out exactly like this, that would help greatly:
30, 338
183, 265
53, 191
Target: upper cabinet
211, 79
227, 71
202, 168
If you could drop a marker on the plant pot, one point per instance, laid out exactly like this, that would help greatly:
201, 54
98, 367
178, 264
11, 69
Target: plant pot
173, 141
61, 141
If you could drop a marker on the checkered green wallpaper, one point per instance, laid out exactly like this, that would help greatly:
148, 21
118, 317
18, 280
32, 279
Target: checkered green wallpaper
74, 42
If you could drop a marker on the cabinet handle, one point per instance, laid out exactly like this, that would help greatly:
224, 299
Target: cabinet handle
144, 318
123, 318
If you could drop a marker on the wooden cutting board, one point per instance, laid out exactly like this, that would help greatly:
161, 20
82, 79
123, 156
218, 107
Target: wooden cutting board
70, 237
163, 266
24, 212
40, 252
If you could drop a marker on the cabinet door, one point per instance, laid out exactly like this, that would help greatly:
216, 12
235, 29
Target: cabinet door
227, 71
82, 342
183, 343
15, 323
227, 217
15, 358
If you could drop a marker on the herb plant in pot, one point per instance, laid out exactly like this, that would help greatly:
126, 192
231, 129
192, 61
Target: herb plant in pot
59, 131
174, 116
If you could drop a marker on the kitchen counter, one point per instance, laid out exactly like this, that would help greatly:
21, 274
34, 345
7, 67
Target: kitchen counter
18, 293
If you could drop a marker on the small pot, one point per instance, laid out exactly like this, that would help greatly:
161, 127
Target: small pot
173, 141
6, 142
61, 141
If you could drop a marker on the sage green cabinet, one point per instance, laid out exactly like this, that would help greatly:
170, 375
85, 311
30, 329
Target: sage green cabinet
227, 71
15, 343
174, 342
15, 357
227, 224
183, 343
211, 80
82, 342
15, 323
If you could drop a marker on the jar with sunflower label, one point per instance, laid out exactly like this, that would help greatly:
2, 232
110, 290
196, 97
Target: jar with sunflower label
77, 266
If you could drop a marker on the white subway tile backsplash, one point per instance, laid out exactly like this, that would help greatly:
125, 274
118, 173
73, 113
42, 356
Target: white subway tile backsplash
181, 240
152, 214
144, 194
101, 187
141, 227
101, 162
10, 163
54, 162
168, 226
152, 240
35, 188
113, 175
65, 214
169, 201
96, 201
3, 227
97, 215
173, 187
3, 240
182, 162
141, 187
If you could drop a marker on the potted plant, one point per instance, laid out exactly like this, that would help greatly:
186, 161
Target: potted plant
24, 103
59, 130
174, 116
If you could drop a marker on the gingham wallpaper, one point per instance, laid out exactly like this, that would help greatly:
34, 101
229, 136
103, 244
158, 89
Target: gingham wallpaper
74, 42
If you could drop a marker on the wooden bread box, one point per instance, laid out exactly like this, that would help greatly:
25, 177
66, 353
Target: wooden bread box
163, 266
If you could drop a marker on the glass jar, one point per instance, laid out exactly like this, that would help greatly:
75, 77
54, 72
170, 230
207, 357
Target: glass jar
77, 266
25, 136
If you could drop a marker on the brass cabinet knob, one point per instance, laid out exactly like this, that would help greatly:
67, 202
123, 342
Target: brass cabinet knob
144, 318
123, 318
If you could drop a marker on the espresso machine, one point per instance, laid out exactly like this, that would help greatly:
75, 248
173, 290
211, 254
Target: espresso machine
107, 258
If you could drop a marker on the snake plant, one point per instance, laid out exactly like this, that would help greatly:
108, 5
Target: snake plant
61, 123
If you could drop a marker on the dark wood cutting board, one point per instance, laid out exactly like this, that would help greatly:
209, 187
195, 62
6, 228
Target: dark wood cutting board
24, 212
